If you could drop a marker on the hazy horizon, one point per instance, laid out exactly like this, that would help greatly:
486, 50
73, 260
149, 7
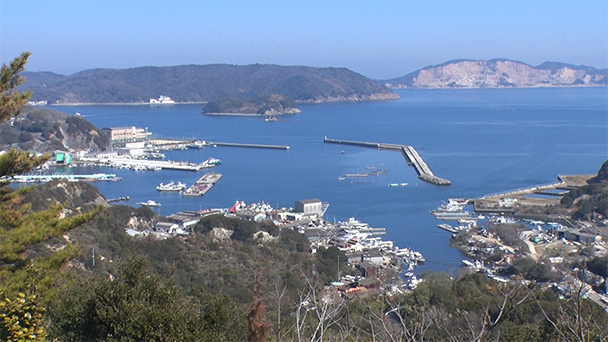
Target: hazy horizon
379, 39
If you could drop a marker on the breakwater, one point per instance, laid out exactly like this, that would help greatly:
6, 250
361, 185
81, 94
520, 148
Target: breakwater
277, 147
409, 153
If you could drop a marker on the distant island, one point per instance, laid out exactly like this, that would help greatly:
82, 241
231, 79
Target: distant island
265, 105
500, 73
204, 83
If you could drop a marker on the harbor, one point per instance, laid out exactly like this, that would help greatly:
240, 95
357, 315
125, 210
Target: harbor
203, 185
409, 153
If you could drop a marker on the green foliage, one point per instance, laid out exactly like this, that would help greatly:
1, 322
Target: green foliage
21, 318
275, 104
138, 306
12, 101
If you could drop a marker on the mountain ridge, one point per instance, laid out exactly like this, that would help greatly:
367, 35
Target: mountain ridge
205, 83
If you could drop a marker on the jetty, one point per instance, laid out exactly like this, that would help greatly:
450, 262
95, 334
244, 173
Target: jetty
276, 147
203, 185
145, 164
409, 153
69, 177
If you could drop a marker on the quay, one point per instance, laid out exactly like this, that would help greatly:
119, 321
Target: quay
276, 147
203, 185
69, 177
150, 164
409, 153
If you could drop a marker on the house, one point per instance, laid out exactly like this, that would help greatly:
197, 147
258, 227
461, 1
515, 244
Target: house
373, 256
165, 227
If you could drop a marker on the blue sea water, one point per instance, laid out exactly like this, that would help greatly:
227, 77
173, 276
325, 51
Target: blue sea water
483, 140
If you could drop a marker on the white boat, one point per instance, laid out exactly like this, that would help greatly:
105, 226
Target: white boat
162, 100
171, 186
271, 118
149, 203
393, 184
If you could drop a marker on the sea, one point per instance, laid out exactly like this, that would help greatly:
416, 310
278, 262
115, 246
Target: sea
483, 140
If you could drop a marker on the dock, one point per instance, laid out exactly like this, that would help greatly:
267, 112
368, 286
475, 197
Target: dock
149, 164
203, 185
276, 147
409, 153
98, 177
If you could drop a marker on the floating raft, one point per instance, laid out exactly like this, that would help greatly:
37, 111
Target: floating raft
203, 185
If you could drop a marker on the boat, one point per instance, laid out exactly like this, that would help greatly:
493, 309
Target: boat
341, 178
149, 203
393, 184
403, 184
447, 227
271, 118
213, 161
162, 100
171, 186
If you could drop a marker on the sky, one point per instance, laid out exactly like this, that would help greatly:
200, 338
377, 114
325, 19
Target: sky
378, 39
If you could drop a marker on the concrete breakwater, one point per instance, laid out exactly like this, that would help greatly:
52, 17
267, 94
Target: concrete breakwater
277, 147
409, 153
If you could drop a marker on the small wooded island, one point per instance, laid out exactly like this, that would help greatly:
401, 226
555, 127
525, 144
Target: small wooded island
273, 104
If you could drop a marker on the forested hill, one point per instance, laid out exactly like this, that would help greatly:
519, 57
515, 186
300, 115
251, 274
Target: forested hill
204, 83
500, 73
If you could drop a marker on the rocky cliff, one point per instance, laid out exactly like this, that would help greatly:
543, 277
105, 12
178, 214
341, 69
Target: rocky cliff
499, 73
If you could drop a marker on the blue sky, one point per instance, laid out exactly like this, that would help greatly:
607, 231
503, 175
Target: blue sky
379, 39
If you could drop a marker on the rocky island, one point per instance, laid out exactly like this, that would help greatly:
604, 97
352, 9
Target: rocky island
270, 105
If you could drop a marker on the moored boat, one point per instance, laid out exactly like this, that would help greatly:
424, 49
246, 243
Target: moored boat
171, 186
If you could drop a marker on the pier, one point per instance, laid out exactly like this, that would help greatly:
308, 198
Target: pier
276, 147
149, 164
409, 153
69, 177
203, 185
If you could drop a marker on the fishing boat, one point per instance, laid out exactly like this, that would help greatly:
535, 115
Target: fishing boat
171, 186
149, 203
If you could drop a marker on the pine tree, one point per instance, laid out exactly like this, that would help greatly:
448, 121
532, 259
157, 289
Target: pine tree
12, 102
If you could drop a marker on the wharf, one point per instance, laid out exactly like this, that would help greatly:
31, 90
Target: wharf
69, 177
150, 164
409, 153
276, 147
203, 185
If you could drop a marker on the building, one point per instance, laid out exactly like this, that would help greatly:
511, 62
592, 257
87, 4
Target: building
127, 134
310, 208
62, 158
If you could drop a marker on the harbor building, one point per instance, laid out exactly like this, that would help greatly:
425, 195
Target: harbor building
310, 208
127, 134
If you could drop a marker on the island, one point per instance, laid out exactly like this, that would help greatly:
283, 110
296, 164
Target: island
269, 105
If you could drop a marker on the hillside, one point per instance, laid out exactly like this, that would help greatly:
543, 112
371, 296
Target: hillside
500, 73
46, 130
265, 105
204, 83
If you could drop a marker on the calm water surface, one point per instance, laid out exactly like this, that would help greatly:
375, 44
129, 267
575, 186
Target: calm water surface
483, 140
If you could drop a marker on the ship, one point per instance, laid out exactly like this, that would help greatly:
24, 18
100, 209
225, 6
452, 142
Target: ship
447, 227
171, 186
271, 118
149, 203
162, 100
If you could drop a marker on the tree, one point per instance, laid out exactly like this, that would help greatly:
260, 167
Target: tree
12, 102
